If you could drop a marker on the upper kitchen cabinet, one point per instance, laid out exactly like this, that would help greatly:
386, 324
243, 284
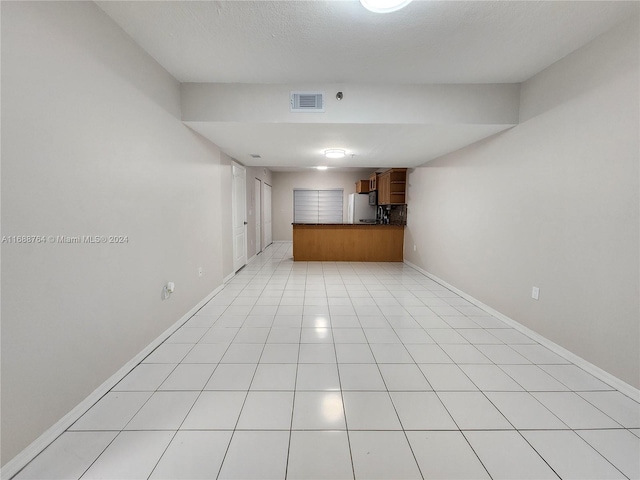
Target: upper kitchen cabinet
362, 186
392, 187
373, 182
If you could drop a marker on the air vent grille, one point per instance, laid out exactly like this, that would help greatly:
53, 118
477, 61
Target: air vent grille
307, 102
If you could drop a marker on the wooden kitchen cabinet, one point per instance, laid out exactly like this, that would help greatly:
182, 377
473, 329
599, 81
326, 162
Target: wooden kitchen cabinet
373, 180
392, 187
362, 186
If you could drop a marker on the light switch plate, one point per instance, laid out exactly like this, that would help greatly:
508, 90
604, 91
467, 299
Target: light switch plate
535, 293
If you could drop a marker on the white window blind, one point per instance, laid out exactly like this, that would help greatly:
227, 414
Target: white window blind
317, 206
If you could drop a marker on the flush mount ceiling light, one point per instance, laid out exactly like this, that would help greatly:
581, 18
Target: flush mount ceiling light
322, 167
334, 153
384, 6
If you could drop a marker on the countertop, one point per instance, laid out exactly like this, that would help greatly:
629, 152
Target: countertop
348, 224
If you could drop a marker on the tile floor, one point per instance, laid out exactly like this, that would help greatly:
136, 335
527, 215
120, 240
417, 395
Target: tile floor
343, 370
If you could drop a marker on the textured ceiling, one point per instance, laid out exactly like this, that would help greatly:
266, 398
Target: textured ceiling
339, 42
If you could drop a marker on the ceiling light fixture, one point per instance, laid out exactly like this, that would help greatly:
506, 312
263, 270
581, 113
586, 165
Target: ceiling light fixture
322, 167
334, 153
384, 6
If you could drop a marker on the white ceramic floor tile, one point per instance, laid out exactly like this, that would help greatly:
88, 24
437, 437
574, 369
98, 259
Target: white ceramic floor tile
317, 377
243, 353
206, 353
472, 411
479, 336
345, 322
422, 411
373, 321
112, 412
620, 447
428, 354
275, 377
319, 455
317, 353
524, 411
445, 455
488, 322
287, 321
533, 379
163, 411
146, 377
212, 309
231, 377
267, 451
539, 355
575, 378
316, 321
570, 456
316, 335
189, 376
507, 456
446, 336
370, 411
391, 353
215, 411
621, 408
259, 318
502, 355
574, 410
284, 335
404, 377
410, 336
252, 335
169, 353
193, 456
490, 378
511, 336
219, 334
465, 354
187, 335
382, 455
280, 353
354, 353
132, 455
431, 322
68, 456
361, 377
267, 411
318, 411
447, 377
349, 335
381, 335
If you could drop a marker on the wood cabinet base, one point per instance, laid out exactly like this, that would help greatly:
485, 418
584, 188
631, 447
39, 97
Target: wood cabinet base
348, 243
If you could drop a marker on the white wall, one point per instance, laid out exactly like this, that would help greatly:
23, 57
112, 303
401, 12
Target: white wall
285, 182
553, 203
92, 144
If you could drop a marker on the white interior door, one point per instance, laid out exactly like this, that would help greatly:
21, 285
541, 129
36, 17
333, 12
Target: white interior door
239, 212
257, 204
268, 239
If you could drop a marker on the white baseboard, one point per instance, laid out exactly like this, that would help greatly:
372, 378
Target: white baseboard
21, 460
594, 370
228, 277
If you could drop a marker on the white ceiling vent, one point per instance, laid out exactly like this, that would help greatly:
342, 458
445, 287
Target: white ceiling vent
307, 102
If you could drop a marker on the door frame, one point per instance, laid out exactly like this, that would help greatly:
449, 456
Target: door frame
257, 205
238, 206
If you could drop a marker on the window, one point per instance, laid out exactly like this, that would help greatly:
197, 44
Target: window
317, 206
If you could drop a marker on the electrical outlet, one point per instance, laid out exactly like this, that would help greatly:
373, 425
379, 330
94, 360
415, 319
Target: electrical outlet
535, 293
200, 271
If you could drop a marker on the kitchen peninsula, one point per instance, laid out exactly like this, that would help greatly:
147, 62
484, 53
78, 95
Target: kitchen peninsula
348, 242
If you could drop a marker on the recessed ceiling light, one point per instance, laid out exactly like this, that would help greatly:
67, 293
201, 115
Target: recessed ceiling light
384, 6
334, 153
322, 167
